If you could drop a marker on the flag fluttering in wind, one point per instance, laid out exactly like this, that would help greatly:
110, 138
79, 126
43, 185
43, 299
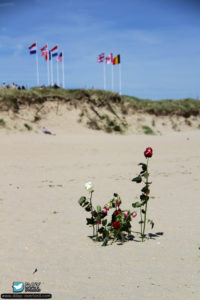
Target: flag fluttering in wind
116, 60
100, 58
54, 51
45, 51
109, 59
33, 48
45, 48
60, 57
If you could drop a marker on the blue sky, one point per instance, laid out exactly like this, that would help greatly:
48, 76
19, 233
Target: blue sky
158, 40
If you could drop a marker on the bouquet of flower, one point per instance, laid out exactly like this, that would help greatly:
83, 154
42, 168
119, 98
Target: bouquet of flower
118, 227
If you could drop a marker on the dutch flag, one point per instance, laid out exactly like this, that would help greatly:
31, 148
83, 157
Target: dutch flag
33, 48
54, 51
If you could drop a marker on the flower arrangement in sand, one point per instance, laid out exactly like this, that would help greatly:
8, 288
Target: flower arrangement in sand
110, 222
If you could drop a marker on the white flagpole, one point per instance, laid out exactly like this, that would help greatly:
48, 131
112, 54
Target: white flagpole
120, 79
51, 70
112, 80
37, 70
63, 84
104, 75
58, 83
48, 63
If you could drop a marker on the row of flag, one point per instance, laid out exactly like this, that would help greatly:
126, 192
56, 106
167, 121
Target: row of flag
109, 59
48, 54
113, 61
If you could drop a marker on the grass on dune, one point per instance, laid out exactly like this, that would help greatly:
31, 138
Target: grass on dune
11, 98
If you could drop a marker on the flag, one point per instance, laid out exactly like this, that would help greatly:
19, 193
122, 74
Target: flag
45, 53
54, 51
100, 58
33, 48
116, 60
49, 55
109, 59
45, 48
60, 57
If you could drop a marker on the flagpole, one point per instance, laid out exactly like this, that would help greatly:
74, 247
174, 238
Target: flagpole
63, 70
48, 63
104, 76
120, 80
57, 74
51, 70
112, 80
37, 70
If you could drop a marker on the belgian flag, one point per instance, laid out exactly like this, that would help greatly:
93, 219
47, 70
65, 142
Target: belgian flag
116, 60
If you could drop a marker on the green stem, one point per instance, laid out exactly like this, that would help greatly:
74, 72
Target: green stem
141, 220
145, 214
92, 210
145, 218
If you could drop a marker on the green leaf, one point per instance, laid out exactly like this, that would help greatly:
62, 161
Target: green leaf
151, 223
88, 207
144, 166
104, 222
94, 213
145, 188
136, 204
90, 221
98, 208
144, 197
137, 179
143, 211
82, 200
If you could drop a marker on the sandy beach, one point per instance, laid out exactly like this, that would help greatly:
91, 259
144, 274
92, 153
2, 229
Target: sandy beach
42, 226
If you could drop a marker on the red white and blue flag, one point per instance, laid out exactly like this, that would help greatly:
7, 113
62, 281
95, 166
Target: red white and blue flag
60, 57
54, 51
33, 48
45, 48
109, 59
100, 58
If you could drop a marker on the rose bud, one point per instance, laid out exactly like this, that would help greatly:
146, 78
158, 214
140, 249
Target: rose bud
118, 203
133, 215
148, 152
104, 211
89, 186
106, 208
99, 222
116, 224
126, 214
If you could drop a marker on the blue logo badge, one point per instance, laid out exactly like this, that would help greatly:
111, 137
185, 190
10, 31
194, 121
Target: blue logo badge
18, 286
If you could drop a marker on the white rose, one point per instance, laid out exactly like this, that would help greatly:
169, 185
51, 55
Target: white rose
89, 186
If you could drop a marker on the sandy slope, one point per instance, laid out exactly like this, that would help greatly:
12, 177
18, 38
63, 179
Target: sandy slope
44, 174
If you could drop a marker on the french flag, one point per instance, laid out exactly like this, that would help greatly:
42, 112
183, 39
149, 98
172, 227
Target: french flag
54, 51
33, 48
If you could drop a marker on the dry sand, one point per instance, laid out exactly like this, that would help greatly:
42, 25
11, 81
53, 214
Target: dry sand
42, 174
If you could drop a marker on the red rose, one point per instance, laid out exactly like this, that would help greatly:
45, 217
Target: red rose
118, 212
116, 224
148, 152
